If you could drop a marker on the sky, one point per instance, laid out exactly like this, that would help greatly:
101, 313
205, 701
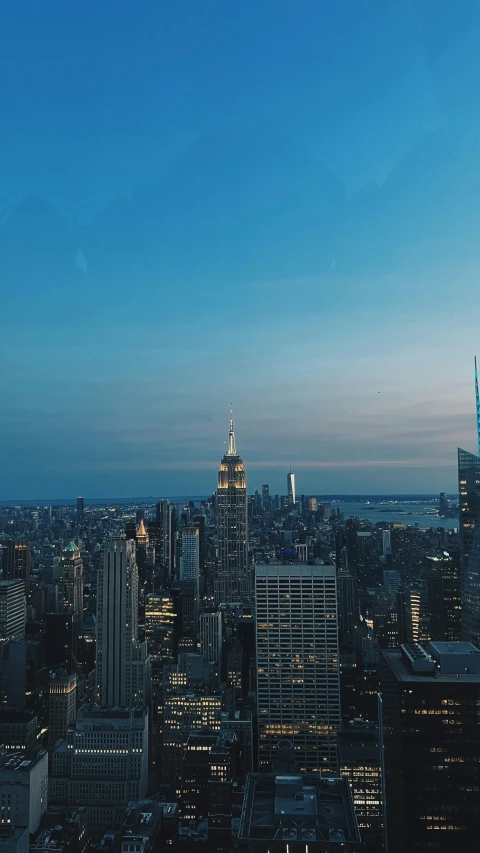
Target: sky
274, 203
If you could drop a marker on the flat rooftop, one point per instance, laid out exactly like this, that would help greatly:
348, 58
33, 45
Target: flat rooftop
307, 808
404, 673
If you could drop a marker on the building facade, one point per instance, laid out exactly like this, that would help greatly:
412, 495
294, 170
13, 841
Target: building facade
123, 666
469, 512
298, 682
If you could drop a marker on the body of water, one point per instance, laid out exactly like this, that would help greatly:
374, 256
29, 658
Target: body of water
414, 513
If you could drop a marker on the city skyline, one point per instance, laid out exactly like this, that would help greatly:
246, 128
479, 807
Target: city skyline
215, 169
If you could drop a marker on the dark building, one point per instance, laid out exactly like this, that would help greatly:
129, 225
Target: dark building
469, 511
443, 507
292, 813
16, 561
80, 511
431, 746
347, 592
359, 760
18, 730
60, 639
444, 600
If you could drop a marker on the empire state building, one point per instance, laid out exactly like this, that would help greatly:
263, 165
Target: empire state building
234, 582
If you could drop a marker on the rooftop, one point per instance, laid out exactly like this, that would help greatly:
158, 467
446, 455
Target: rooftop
307, 808
403, 670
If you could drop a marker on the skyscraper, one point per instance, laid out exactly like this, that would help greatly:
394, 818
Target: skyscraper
234, 582
164, 534
469, 506
298, 683
291, 488
122, 669
190, 580
71, 582
16, 561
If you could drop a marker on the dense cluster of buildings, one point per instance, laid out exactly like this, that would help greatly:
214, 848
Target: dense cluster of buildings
254, 672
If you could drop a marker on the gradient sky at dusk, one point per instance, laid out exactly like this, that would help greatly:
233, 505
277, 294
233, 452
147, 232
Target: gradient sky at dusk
275, 203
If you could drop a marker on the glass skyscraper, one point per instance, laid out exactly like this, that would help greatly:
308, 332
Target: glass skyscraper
469, 512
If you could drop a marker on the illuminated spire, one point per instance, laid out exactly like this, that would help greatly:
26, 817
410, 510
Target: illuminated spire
232, 450
477, 402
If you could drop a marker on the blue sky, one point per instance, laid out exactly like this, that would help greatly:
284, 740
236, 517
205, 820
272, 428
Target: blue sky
275, 203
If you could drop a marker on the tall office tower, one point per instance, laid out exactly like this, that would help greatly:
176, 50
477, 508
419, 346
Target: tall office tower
190, 558
123, 666
211, 640
12, 610
80, 510
190, 580
102, 765
298, 683
16, 561
164, 522
62, 705
469, 506
71, 582
291, 488
431, 748
234, 581
444, 602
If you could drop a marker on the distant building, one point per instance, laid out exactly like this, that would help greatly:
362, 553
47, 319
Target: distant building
291, 488
16, 561
123, 666
102, 765
234, 580
211, 639
71, 582
12, 610
62, 705
297, 813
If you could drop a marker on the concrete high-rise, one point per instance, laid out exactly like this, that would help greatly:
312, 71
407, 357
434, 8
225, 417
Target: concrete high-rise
234, 578
469, 506
123, 667
71, 582
298, 682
